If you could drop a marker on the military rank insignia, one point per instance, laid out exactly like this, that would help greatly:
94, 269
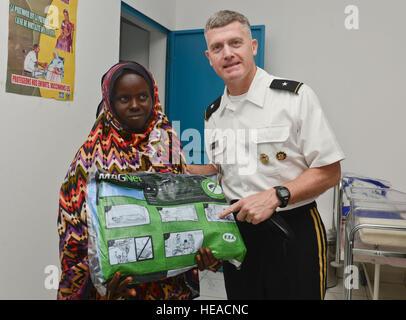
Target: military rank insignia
281, 155
264, 158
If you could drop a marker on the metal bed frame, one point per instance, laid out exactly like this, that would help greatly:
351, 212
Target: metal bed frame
337, 213
349, 249
349, 233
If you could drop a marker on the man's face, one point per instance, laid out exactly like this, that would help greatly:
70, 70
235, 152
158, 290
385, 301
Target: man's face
231, 53
36, 50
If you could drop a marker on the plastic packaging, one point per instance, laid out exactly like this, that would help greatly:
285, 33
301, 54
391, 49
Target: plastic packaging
351, 180
151, 225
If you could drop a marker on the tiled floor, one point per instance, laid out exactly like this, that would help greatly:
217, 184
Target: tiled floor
212, 288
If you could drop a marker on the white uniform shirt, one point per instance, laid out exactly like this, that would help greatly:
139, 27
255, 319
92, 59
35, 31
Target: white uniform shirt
267, 123
30, 61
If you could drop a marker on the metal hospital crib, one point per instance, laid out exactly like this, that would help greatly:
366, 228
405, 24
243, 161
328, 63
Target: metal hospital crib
370, 223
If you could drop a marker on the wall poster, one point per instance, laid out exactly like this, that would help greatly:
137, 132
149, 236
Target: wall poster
41, 48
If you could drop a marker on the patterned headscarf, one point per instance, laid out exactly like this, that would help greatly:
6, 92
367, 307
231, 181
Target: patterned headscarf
113, 148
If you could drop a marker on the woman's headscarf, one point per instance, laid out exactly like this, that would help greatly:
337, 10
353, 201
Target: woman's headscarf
113, 148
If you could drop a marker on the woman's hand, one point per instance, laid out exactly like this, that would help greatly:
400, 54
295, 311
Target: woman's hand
205, 259
119, 290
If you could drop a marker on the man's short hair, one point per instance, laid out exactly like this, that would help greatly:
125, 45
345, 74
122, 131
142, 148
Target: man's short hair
225, 17
35, 46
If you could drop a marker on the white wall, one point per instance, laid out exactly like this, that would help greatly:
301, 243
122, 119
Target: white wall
358, 74
39, 140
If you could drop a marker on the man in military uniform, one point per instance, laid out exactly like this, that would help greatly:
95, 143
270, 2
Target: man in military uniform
280, 131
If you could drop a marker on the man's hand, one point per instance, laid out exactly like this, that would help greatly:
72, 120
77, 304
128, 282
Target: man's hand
311, 183
43, 65
119, 290
255, 208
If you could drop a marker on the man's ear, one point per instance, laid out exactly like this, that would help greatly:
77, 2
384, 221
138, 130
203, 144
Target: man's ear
254, 47
208, 56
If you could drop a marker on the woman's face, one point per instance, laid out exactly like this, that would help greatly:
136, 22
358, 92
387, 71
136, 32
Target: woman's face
132, 100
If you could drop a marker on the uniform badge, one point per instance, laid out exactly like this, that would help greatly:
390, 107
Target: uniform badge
289, 85
281, 155
264, 158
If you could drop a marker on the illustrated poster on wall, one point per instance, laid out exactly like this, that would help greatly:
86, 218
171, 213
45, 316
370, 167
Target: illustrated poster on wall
41, 48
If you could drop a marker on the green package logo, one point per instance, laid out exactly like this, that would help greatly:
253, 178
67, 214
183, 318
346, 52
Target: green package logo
132, 178
212, 189
229, 237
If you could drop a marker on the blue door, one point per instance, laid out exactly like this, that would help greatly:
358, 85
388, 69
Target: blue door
192, 85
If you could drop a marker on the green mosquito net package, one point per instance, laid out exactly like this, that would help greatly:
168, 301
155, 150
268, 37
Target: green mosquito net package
151, 225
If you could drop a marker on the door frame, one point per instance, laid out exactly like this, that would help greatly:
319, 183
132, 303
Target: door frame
158, 27
139, 15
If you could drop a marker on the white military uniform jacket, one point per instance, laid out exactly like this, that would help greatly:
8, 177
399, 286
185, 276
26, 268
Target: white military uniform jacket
274, 134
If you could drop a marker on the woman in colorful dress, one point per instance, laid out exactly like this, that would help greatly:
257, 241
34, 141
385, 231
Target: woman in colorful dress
131, 134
